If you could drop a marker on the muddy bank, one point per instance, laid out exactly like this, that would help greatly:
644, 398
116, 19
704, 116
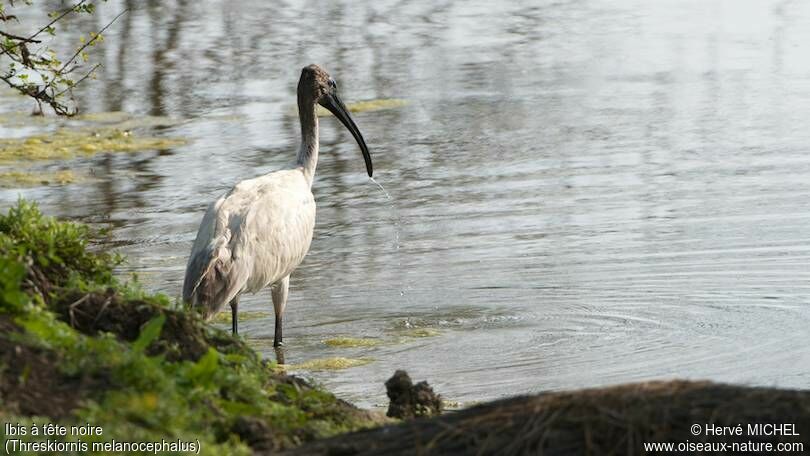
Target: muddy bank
606, 421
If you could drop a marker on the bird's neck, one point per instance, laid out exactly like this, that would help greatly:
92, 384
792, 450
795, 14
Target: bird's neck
308, 152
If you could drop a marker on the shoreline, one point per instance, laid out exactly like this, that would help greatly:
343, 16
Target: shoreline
80, 347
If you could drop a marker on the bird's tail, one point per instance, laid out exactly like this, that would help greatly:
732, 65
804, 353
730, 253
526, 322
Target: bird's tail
210, 279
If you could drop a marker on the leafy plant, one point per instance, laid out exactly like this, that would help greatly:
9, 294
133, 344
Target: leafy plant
33, 68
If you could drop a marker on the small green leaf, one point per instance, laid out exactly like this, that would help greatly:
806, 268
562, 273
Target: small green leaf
149, 333
203, 370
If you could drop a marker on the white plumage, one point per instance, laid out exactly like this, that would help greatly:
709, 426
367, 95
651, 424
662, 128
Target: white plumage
258, 233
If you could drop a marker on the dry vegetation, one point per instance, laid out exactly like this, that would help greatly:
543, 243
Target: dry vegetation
605, 421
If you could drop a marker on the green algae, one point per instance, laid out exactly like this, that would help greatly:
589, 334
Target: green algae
420, 332
244, 315
260, 343
17, 179
66, 143
82, 136
335, 363
363, 106
21, 119
351, 342
125, 121
105, 117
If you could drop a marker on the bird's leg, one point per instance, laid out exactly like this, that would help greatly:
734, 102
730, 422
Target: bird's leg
277, 338
234, 320
279, 292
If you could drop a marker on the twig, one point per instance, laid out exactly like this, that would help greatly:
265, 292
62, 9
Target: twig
31, 38
19, 38
72, 308
64, 13
91, 41
86, 75
101, 311
48, 92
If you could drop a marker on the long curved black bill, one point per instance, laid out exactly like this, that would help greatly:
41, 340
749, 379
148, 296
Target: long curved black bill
333, 103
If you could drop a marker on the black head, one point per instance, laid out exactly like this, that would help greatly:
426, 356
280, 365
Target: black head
316, 86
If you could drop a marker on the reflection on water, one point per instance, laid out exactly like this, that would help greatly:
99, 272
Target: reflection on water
583, 192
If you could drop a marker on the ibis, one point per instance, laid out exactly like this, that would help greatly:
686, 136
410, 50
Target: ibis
256, 235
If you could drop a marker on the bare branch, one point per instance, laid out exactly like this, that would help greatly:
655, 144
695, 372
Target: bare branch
22, 39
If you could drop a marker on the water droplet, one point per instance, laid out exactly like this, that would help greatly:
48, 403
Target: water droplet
397, 227
387, 196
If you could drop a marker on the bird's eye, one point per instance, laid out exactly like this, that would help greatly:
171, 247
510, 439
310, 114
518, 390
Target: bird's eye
332, 83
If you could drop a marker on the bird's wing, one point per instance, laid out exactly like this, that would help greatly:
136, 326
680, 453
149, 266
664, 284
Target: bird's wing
277, 228
255, 235
212, 277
